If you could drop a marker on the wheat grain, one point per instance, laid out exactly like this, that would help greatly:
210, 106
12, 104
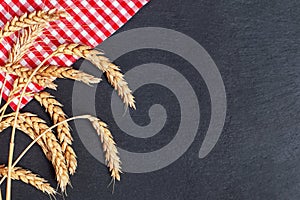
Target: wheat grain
28, 177
29, 19
53, 107
109, 147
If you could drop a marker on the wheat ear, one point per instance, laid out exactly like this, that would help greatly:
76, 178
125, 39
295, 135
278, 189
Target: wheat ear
24, 42
43, 81
58, 160
69, 73
25, 125
28, 177
54, 108
62, 183
115, 77
101, 130
47, 73
29, 19
31, 124
109, 147
17, 86
20, 83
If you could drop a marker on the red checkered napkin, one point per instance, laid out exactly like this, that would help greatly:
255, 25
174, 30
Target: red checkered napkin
91, 22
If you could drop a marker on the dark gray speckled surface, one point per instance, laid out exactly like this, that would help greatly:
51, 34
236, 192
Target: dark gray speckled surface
256, 46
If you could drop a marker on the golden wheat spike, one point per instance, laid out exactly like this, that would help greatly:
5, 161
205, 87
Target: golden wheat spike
111, 153
69, 73
54, 108
115, 77
53, 71
58, 160
24, 42
46, 82
30, 178
27, 128
54, 151
29, 19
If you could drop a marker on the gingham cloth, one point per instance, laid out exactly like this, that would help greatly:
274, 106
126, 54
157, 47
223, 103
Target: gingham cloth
91, 22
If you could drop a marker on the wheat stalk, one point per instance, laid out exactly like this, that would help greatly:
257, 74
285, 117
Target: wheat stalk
19, 84
54, 108
28, 177
29, 19
109, 147
19, 49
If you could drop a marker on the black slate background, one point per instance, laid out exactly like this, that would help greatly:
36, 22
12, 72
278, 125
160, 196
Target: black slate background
256, 46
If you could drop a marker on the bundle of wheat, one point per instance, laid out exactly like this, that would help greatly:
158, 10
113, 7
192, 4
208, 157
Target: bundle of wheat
57, 148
